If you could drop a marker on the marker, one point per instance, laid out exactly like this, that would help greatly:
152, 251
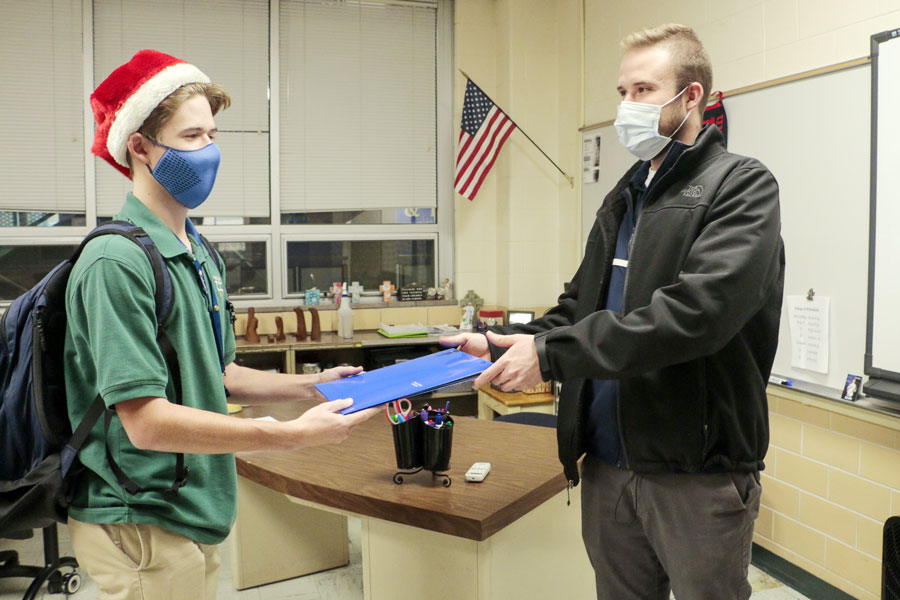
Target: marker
780, 381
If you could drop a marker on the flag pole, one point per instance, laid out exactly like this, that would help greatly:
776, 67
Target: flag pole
570, 179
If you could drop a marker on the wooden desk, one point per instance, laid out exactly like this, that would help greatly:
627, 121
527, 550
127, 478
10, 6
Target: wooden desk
492, 402
511, 536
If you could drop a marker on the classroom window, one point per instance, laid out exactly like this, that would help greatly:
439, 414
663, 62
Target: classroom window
21, 267
370, 262
42, 99
339, 110
233, 50
246, 268
358, 106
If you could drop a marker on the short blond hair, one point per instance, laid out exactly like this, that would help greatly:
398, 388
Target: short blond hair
689, 58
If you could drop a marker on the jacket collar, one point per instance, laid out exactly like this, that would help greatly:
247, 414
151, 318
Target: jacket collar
709, 143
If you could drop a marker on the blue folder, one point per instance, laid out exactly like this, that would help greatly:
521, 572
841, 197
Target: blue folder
405, 379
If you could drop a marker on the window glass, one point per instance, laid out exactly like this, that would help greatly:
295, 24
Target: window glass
246, 270
21, 267
370, 262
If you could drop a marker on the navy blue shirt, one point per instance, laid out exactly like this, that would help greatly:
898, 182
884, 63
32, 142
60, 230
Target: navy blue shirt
604, 440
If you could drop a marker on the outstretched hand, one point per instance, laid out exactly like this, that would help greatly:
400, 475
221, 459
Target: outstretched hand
336, 373
324, 424
470, 343
333, 374
518, 368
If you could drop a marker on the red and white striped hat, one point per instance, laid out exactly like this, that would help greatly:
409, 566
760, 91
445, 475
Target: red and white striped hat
124, 100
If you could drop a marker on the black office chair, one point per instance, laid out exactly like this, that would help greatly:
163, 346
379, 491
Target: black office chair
58, 582
890, 560
529, 418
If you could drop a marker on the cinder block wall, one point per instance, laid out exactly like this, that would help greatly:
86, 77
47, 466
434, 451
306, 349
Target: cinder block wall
832, 478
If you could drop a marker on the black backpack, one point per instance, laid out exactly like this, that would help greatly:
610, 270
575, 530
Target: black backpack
38, 449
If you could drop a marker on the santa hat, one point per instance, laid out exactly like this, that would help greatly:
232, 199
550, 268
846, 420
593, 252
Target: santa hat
124, 100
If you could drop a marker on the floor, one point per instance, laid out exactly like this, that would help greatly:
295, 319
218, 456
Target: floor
337, 584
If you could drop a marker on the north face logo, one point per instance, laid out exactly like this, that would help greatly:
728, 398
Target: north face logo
692, 191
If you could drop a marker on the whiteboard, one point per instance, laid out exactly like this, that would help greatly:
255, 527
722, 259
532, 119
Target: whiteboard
813, 134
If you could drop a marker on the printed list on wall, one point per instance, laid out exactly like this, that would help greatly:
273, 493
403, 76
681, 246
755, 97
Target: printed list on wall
809, 332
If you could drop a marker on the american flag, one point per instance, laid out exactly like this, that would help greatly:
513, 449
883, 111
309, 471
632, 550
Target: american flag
483, 132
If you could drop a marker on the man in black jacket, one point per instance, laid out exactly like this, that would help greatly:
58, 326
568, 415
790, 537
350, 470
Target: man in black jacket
664, 340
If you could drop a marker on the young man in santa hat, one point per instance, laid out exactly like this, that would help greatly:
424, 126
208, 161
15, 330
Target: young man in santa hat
136, 533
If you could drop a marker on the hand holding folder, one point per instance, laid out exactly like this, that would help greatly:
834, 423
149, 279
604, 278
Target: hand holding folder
403, 380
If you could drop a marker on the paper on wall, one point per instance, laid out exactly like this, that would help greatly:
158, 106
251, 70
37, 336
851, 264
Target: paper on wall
809, 322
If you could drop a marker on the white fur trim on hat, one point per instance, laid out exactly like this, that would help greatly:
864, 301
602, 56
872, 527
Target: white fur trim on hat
141, 103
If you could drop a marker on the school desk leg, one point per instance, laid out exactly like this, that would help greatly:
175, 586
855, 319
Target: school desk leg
275, 539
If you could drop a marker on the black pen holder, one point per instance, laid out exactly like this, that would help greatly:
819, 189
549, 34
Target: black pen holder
408, 443
438, 442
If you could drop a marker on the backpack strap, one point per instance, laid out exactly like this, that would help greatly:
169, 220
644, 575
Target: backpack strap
164, 294
164, 298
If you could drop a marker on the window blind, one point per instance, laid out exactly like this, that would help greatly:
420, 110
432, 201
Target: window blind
226, 39
357, 105
41, 100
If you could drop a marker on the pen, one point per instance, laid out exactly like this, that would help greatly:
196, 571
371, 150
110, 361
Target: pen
780, 381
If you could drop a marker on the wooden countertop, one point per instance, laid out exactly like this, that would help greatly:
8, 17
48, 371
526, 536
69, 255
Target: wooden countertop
356, 476
516, 398
330, 340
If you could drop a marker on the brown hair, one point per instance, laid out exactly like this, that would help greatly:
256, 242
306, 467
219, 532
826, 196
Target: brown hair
215, 94
689, 59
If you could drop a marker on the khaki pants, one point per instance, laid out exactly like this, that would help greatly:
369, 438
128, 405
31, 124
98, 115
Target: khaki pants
647, 533
144, 562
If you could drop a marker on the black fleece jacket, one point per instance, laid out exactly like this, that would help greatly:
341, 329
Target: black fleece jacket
694, 346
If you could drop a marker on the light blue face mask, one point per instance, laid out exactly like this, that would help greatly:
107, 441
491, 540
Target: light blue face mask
188, 175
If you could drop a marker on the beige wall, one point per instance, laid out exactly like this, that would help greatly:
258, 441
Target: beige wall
517, 242
749, 41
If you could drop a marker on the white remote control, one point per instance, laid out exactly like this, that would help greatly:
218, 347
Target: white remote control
478, 471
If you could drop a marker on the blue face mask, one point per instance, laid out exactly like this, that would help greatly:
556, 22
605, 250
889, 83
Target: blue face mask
188, 175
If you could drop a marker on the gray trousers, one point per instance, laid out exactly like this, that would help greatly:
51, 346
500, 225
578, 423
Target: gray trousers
651, 533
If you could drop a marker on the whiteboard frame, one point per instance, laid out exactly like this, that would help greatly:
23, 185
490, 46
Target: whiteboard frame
883, 382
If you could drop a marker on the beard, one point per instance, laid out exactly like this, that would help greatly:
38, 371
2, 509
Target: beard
670, 121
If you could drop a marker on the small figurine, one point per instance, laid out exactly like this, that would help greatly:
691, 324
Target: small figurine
279, 329
301, 324
387, 288
335, 290
252, 322
444, 291
355, 291
431, 294
316, 334
312, 296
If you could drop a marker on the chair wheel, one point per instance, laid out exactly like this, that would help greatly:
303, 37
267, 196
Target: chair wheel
64, 583
71, 583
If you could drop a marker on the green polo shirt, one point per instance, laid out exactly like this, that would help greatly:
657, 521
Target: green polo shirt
111, 349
